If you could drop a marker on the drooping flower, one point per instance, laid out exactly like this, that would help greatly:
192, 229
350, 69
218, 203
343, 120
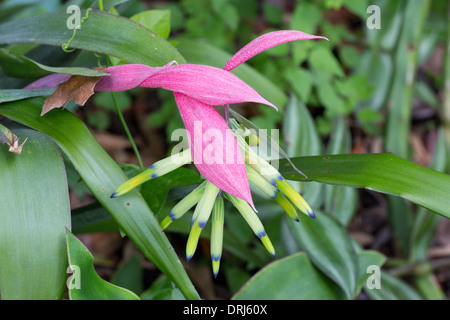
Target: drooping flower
208, 199
227, 167
197, 88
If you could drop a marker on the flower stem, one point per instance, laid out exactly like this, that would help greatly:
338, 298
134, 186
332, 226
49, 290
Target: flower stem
124, 124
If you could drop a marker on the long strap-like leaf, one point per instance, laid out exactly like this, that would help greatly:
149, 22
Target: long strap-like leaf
102, 175
383, 172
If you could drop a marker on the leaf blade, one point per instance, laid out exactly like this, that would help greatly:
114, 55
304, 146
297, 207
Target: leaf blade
33, 252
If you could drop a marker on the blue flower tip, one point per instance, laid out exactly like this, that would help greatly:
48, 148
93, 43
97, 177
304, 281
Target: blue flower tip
188, 257
114, 195
312, 214
201, 224
154, 175
215, 257
261, 234
297, 219
152, 166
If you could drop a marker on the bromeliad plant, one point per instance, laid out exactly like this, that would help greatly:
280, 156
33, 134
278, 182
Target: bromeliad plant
197, 88
36, 241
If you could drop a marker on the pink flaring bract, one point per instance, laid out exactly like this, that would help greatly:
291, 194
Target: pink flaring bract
197, 89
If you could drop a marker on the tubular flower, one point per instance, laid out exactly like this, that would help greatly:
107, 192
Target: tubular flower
224, 159
197, 88
208, 200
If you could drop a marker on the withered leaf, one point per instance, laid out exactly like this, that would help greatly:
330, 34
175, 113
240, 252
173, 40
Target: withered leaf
9, 138
77, 88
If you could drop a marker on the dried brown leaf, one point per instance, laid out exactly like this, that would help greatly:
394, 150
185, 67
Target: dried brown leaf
9, 138
77, 88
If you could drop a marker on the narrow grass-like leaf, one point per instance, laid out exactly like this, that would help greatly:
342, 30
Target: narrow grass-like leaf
11, 63
19, 94
425, 223
34, 213
101, 32
392, 288
102, 175
382, 172
85, 283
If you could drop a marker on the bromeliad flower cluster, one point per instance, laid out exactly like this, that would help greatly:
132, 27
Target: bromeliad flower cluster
197, 89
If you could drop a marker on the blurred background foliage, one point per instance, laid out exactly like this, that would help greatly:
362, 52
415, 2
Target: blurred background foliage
364, 91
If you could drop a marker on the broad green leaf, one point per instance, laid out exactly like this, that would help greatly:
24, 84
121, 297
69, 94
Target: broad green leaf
101, 32
34, 213
156, 20
290, 278
204, 53
322, 59
85, 283
382, 172
102, 175
329, 246
305, 17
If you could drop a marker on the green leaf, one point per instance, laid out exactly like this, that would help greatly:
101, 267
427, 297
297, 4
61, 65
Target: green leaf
155, 190
156, 20
92, 218
204, 53
101, 32
305, 18
34, 213
162, 289
20, 66
301, 82
129, 275
322, 59
102, 175
366, 259
392, 288
85, 283
425, 224
302, 139
19, 94
290, 278
340, 202
383, 172
329, 246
